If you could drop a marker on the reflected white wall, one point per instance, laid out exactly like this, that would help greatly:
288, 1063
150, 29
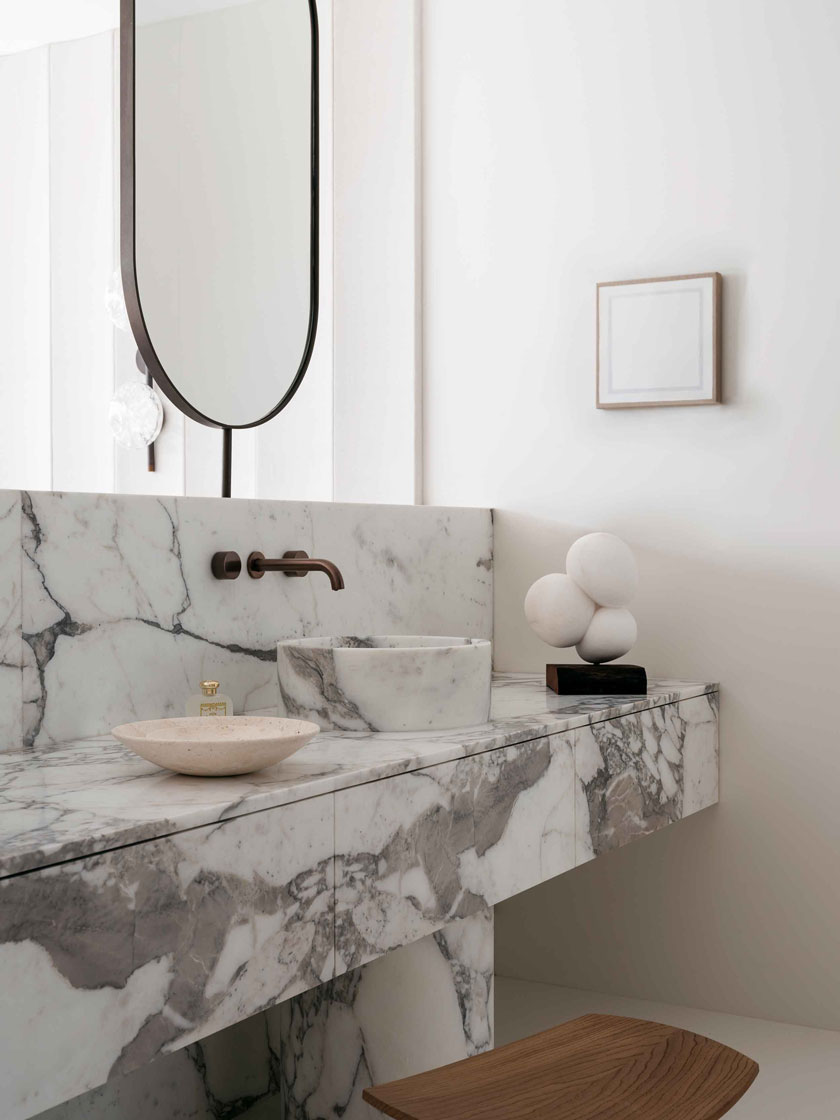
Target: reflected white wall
82, 250
25, 453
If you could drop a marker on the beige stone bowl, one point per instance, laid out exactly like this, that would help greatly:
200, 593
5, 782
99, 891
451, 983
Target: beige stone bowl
214, 746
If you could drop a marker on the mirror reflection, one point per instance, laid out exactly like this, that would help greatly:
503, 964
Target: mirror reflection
223, 197
227, 281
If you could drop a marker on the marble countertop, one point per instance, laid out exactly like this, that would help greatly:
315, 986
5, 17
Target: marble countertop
93, 795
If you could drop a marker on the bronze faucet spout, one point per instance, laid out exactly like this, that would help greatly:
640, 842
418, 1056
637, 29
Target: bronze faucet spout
294, 564
228, 565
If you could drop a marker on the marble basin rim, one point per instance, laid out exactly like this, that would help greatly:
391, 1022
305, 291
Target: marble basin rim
386, 682
216, 746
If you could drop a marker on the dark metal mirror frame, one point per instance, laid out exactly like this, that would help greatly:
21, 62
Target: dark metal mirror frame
128, 244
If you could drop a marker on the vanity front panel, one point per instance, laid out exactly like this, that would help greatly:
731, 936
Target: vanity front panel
419, 850
121, 957
637, 774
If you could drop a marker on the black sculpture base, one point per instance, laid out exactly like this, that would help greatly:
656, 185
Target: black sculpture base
596, 680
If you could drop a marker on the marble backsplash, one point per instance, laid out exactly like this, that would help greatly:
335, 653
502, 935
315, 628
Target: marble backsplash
109, 611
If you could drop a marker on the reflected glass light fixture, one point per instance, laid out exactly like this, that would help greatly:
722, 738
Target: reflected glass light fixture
115, 303
135, 415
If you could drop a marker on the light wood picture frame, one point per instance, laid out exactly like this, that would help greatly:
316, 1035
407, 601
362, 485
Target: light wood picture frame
658, 341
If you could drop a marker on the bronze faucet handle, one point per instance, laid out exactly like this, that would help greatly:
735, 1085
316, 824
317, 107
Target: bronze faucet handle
296, 554
226, 565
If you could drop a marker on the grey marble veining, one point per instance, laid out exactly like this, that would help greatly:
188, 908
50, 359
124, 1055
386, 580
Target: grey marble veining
154, 946
420, 850
311, 1056
638, 774
425, 1005
120, 616
11, 651
63, 802
232, 1074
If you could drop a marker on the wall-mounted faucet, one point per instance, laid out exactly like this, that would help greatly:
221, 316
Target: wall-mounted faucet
228, 565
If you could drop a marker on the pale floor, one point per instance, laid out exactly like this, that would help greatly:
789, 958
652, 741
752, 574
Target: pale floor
800, 1067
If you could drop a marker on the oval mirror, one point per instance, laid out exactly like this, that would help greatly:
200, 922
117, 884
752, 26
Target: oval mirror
219, 198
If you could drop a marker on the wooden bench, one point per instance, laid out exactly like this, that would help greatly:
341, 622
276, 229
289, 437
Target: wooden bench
598, 1067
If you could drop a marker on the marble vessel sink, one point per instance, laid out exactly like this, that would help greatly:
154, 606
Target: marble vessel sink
212, 747
404, 683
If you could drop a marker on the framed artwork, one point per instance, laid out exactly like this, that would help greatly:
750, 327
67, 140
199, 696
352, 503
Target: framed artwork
659, 341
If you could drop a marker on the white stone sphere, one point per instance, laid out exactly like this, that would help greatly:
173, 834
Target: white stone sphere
557, 610
611, 633
603, 565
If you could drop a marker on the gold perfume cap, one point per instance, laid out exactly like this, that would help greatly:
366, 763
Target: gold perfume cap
209, 688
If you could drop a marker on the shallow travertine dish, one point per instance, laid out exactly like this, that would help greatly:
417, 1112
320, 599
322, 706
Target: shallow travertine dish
208, 746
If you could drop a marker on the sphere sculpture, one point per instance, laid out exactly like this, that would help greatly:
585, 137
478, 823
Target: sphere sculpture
587, 607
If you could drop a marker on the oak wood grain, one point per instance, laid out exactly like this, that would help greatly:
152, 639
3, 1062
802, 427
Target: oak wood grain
592, 1068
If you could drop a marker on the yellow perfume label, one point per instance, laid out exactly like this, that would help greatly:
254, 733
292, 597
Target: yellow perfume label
212, 708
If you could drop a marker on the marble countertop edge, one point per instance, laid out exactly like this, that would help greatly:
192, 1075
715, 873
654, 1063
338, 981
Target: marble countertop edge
63, 802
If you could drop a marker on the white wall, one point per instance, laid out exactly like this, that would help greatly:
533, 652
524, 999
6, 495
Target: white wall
567, 143
377, 262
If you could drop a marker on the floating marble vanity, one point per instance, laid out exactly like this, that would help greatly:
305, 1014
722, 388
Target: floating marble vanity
141, 912
265, 946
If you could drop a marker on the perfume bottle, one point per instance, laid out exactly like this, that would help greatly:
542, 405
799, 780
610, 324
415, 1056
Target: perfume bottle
210, 702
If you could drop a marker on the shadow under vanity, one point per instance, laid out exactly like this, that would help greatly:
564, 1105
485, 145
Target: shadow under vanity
271, 944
